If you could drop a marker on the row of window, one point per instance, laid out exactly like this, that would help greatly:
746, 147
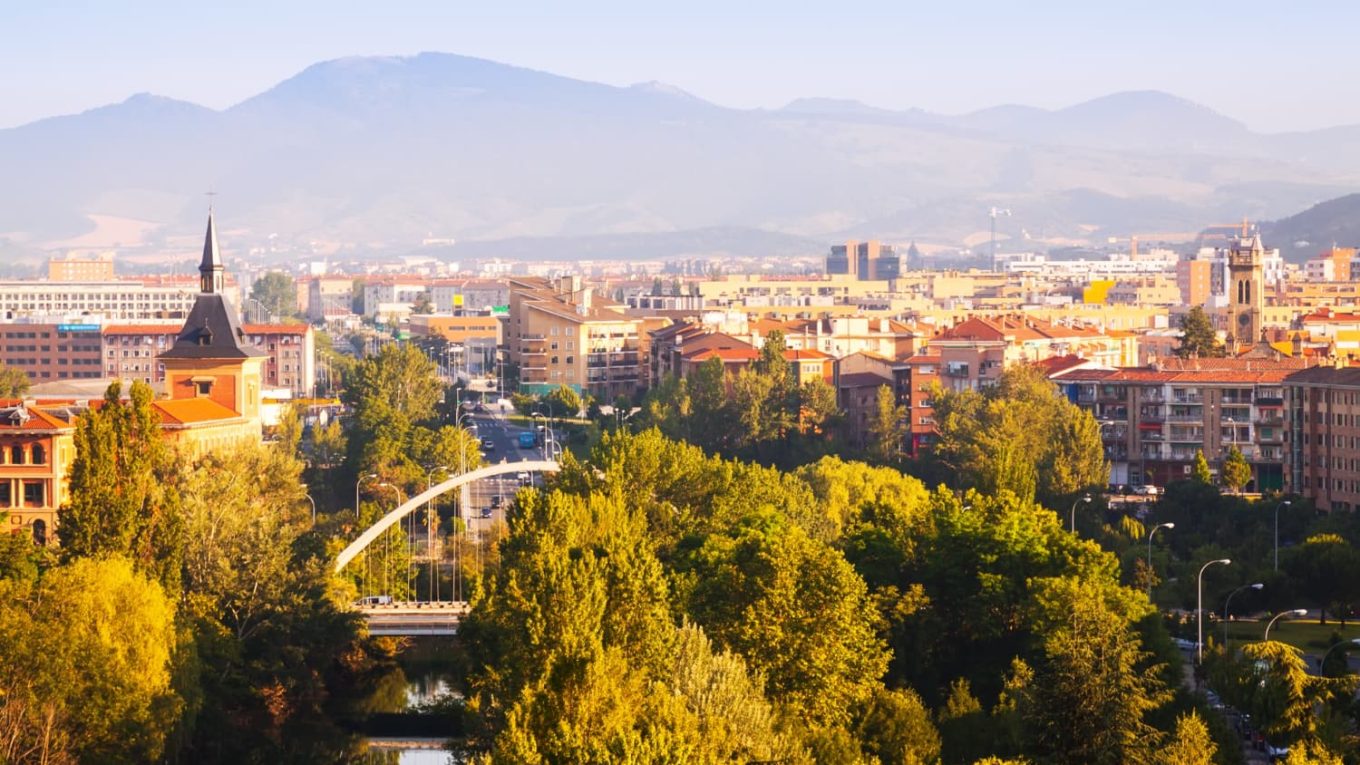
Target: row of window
18, 455
34, 494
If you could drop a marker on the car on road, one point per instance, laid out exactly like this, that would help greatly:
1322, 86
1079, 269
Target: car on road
1275, 752
1146, 490
497, 501
376, 600
480, 409
523, 477
487, 512
1183, 644
488, 444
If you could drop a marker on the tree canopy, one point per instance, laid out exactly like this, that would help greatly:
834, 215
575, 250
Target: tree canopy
1198, 337
277, 293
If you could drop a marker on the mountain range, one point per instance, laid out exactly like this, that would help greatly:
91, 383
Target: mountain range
378, 153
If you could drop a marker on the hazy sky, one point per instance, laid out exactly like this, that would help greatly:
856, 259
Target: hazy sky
1275, 65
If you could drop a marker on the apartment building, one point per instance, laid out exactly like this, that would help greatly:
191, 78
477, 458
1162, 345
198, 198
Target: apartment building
52, 351
561, 333
329, 298
1154, 419
974, 352
116, 300
132, 351
81, 267
1323, 456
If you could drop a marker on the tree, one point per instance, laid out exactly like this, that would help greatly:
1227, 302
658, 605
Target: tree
423, 305
894, 726
1092, 688
795, 610
1018, 435
563, 401
13, 382
1236, 472
1281, 694
123, 498
1198, 337
1201, 472
91, 650
1191, 744
1326, 570
277, 293
886, 428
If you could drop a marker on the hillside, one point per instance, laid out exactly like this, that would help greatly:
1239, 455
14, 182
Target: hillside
381, 152
1301, 236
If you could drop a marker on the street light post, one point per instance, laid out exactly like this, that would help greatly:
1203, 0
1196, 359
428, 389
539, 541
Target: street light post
1199, 609
357, 483
1226, 603
1084, 499
1296, 612
1326, 656
1150, 534
309, 499
1285, 503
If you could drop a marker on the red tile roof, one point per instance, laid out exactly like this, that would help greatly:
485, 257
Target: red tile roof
192, 411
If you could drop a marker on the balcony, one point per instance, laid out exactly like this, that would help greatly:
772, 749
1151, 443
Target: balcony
1187, 398
1269, 401
1186, 418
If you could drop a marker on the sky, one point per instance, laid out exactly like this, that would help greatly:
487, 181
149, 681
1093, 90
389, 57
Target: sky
1275, 66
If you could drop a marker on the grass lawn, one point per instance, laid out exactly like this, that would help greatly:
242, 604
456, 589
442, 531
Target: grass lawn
1306, 634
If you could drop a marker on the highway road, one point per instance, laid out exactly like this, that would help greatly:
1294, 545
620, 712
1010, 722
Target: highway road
504, 447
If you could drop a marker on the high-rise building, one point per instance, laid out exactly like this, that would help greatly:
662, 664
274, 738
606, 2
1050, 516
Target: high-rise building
866, 261
77, 267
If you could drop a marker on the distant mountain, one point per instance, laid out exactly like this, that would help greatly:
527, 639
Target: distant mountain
1301, 236
381, 152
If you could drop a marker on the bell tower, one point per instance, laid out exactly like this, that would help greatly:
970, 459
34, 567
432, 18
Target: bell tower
1246, 296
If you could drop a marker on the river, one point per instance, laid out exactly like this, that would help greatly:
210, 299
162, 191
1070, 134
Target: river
403, 726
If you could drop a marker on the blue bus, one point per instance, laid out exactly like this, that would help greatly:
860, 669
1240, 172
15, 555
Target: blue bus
527, 440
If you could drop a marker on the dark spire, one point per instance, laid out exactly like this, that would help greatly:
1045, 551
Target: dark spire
212, 274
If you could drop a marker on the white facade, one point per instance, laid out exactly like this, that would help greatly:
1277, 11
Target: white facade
117, 301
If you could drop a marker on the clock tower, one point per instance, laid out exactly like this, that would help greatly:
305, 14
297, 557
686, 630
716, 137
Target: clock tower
1246, 297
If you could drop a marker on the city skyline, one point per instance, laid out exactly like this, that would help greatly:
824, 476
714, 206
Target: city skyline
947, 61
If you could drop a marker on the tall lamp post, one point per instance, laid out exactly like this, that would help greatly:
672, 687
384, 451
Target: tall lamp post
359, 482
1226, 603
1326, 656
1277, 532
1150, 534
1084, 499
309, 499
1199, 609
1296, 612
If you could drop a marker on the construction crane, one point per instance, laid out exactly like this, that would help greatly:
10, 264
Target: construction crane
996, 211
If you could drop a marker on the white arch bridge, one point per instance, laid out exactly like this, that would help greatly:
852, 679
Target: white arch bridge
416, 618
418, 501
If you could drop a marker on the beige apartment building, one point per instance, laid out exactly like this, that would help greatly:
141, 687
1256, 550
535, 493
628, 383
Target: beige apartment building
78, 267
561, 333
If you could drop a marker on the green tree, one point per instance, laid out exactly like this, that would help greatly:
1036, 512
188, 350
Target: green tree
795, 610
1092, 688
1326, 570
1018, 435
894, 726
123, 498
1201, 472
1280, 693
277, 293
13, 382
1198, 337
18, 556
423, 306
564, 401
92, 649
711, 421
356, 297
1191, 744
1236, 472
886, 427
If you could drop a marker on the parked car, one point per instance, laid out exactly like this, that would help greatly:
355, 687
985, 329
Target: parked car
1183, 644
488, 445
1276, 753
1147, 490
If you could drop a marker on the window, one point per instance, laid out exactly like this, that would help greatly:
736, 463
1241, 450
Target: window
6, 498
33, 493
39, 455
16, 455
203, 387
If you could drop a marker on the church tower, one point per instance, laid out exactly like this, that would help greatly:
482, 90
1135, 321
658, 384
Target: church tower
212, 359
1246, 293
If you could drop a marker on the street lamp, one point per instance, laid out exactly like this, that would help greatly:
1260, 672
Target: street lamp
309, 499
1085, 499
1257, 586
359, 482
1325, 656
1277, 532
1295, 612
1199, 609
1150, 534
